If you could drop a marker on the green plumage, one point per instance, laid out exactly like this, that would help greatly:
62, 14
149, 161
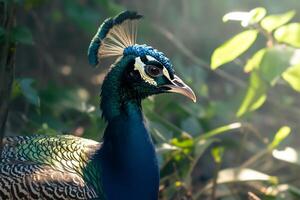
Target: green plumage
42, 167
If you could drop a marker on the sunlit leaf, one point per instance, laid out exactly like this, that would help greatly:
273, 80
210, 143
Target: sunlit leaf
281, 135
165, 147
232, 175
259, 102
186, 143
254, 62
289, 34
217, 153
233, 48
288, 154
274, 62
236, 16
220, 130
21, 34
257, 14
29, 92
246, 18
272, 22
255, 95
292, 76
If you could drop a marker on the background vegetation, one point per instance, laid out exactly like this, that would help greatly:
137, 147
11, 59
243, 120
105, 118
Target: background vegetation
240, 140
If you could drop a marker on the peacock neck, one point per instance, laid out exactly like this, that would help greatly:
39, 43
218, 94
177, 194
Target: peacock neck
116, 99
128, 162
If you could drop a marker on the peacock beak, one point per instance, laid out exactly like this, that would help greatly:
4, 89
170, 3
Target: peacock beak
178, 86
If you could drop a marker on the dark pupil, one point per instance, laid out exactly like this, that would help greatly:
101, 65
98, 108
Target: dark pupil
153, 70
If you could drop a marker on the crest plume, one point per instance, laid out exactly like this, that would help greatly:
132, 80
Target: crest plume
113, 36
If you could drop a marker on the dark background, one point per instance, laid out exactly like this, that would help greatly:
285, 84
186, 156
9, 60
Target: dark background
56, 91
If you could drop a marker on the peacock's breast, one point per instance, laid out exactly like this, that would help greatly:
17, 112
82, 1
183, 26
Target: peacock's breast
129, 164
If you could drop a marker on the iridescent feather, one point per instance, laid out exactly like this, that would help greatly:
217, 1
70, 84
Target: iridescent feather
42, 167
113, 36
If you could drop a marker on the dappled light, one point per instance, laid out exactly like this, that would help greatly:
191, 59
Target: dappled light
77, 83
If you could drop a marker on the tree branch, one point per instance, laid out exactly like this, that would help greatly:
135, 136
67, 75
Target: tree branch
7, 62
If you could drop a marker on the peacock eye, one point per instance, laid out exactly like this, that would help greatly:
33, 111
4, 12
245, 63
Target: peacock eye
153, 71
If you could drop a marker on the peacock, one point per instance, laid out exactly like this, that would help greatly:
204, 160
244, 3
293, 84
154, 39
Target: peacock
123, 166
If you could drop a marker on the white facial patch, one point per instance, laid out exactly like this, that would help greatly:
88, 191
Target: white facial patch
165, 71
139, 65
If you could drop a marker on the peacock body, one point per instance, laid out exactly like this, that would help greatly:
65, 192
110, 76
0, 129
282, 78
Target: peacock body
41, 167
123, 166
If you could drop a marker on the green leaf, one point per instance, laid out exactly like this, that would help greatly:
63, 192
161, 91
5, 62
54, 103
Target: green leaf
165, 148
288, 154
236, 16
292, 76
233, 48
21, 34
282, 134
217, 153
254, 62
255, 95
257, 14
272, 22
186, 143
246, 18
220, 130
29, 92
274, 62
289, 34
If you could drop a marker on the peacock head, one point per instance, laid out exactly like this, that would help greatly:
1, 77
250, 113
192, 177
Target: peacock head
143, 70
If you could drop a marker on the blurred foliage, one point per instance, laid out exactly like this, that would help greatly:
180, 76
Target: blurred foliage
226, 145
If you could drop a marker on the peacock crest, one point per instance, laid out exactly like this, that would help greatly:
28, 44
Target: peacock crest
113, 36
117, 37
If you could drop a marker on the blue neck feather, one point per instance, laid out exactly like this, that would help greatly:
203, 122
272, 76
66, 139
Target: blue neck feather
129, 169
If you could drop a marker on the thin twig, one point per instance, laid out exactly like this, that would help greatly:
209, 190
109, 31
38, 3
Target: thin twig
254, 158
215, 183
270, 38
